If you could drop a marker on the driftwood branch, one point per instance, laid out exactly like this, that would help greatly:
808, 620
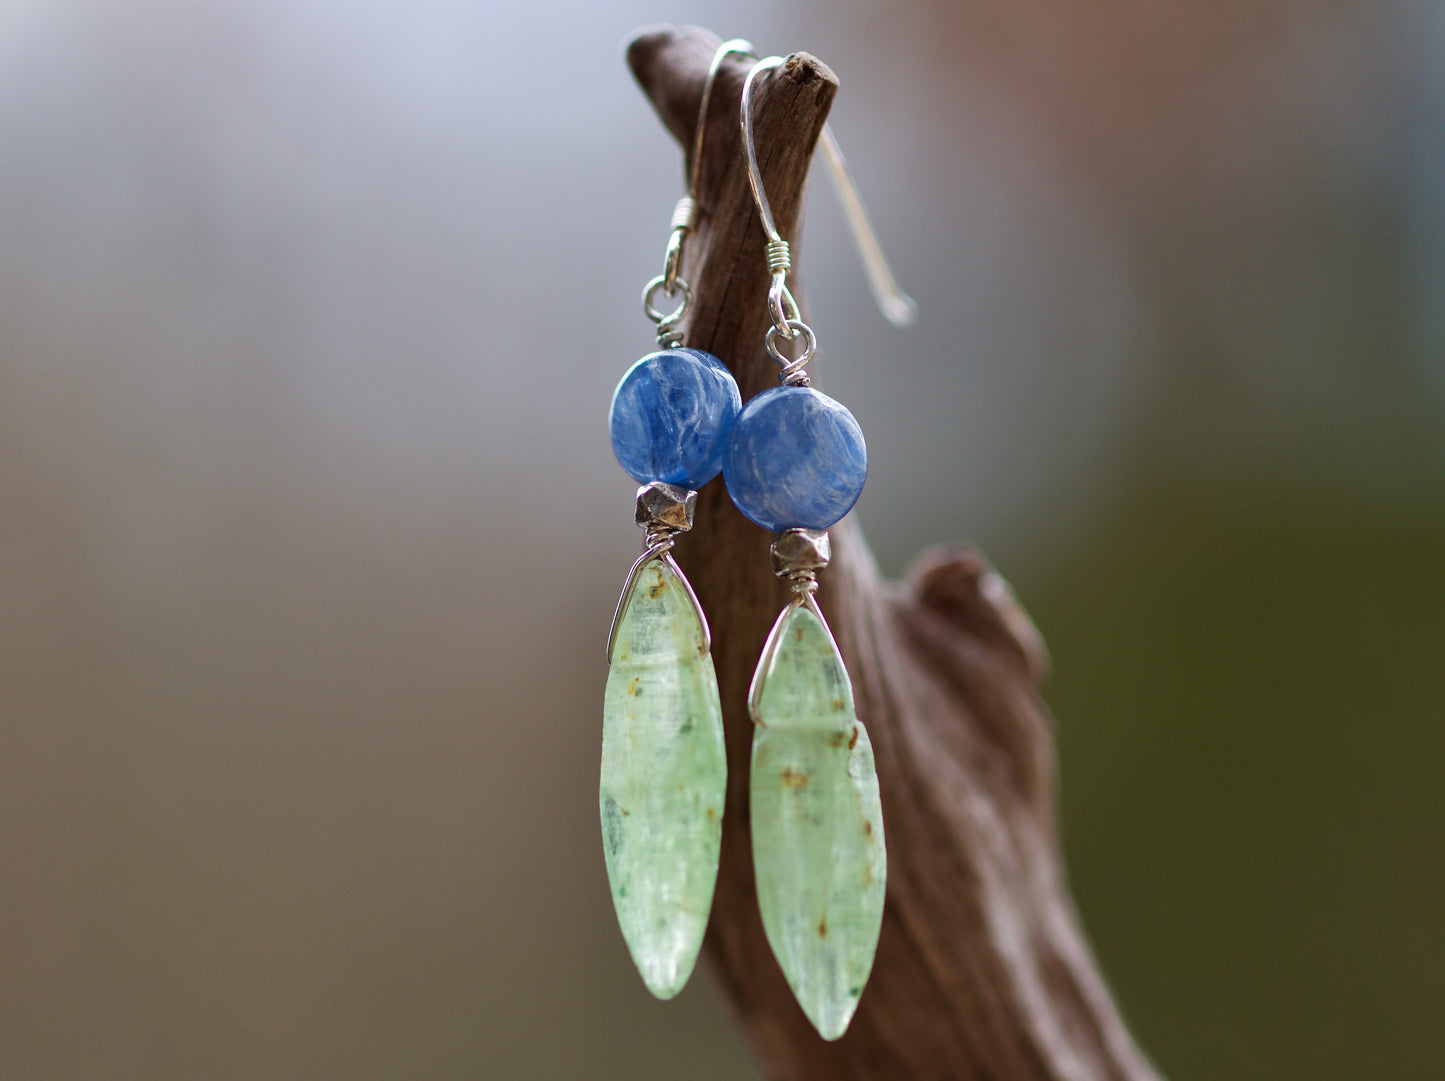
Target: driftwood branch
982, 970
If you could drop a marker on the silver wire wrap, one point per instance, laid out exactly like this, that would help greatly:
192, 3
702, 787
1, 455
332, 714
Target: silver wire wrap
792, 371
797, 555
778, 256
659, 539
660, 549
684, 215
663, 511
804, 582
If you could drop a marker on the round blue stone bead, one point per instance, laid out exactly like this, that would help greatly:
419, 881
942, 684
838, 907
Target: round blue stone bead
671, 415
795, 460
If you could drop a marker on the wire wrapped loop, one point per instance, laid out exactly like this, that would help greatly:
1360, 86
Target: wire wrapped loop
793, 374
667, 334
804, 582
659, 539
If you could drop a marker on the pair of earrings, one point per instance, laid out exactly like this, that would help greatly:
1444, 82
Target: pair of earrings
794, 462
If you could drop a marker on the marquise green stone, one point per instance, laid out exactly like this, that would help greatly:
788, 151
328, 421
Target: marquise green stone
817, 825
664, 778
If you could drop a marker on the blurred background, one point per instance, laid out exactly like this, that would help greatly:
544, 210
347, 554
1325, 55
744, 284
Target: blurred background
309, 534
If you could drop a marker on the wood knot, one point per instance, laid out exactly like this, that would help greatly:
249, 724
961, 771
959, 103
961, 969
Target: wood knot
960, 585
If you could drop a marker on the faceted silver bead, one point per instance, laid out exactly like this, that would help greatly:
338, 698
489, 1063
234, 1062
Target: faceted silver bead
801, 552
665, 505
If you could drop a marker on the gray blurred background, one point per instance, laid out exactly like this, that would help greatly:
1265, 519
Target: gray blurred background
309, 316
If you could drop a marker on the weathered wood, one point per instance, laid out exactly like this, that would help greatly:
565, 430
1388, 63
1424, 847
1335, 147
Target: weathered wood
982, 970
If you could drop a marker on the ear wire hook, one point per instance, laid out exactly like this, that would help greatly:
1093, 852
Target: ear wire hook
726, 49
896, 305
684, 215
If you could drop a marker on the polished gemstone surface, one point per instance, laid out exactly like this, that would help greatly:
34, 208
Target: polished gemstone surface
671, 414
664, 776
817, 824
795, 460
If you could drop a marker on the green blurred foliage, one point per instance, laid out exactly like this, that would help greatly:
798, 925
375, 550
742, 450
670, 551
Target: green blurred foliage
1250, 693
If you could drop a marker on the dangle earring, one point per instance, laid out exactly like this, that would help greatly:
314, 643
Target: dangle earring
664, 769
795, 465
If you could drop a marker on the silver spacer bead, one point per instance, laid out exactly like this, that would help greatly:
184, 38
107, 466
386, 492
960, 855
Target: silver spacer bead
799, 554
665, 507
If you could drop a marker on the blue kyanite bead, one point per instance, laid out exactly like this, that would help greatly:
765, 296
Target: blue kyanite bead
795, 460
671, 415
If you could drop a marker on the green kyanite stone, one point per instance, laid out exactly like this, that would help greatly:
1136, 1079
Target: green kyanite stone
664, 776
817, 825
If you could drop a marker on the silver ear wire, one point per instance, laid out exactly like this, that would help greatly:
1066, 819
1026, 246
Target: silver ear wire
896, 305
781, 304
726, 49
684, 216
